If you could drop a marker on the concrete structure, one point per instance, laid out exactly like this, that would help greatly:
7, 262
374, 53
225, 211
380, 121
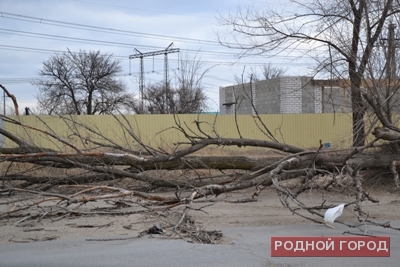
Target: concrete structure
285, 94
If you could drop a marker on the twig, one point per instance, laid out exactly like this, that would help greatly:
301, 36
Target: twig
245, 200
90, 225
34, 229
352, 233
110, 239
24, 219
393, 168
188, 205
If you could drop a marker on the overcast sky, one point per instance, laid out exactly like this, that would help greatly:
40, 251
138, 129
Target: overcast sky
32, 30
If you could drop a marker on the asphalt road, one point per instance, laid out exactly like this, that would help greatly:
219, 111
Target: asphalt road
250, 247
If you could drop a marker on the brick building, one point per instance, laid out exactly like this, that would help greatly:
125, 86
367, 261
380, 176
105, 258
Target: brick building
287, 94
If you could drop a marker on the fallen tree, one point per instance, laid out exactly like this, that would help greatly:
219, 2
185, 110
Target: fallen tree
223, 174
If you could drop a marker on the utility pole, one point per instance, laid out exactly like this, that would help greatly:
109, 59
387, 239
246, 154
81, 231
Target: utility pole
141, 55
141, 76
166, 76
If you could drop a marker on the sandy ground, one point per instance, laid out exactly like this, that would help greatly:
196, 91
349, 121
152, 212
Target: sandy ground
215, 214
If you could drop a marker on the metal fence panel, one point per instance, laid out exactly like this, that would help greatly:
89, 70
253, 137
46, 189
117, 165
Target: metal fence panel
303, 130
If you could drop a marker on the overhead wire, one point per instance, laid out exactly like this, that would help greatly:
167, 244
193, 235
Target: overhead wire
103, 42
141, 9
213, 62
110, 43
107, 30
91, 28
101, 29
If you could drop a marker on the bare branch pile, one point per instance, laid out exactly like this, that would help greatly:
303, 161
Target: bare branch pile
166, 184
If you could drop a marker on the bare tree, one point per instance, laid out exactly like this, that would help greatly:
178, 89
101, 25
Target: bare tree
102, 158
382, 88
344, 33
186, 96
190, 88
160, 100
81, 83
270, 72
154, 100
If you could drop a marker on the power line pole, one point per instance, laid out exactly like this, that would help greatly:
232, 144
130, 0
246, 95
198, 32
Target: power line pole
141, 76
166, 76
141, 55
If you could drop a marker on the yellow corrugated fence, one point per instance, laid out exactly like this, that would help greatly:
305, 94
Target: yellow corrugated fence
302, 130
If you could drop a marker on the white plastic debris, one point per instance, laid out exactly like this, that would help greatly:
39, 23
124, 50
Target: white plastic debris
332, 213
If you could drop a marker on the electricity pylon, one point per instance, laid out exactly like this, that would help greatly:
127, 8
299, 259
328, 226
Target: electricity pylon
141, 55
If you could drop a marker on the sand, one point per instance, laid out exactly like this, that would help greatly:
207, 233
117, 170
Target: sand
212, 214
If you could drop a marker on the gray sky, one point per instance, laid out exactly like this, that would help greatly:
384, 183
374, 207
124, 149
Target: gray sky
32, 30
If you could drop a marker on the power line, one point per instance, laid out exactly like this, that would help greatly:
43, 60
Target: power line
113, 31
102, 29
212, 62
18, 80
61, 38
86, 40
118, 44
109, 30
30, 49
141, 9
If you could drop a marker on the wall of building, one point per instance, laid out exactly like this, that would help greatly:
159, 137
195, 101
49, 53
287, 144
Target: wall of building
290, 95
335, 99
309, 96
285, 95
240, 97
294, 95
268, 96
244, 97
